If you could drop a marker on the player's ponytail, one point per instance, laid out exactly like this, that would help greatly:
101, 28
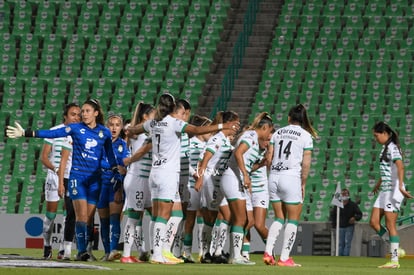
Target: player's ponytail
299, 115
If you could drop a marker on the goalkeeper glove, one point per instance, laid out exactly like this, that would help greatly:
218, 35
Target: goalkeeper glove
18, 131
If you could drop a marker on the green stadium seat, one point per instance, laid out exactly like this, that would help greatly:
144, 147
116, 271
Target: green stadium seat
133, 8
90, 7
145, 95
55, 86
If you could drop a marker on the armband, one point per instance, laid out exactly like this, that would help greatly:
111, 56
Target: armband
220, 126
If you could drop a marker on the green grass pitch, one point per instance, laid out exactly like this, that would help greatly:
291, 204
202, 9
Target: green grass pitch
312, 265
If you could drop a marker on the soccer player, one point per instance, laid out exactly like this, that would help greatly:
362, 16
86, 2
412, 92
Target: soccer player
136, 185
197, 144
51, 157
91, 140
111, 199
213, 161
173, 242
236, 181
164, 177
259, 198
390, 189
291, 150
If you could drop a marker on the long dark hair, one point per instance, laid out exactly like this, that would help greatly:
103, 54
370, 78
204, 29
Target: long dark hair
140, 110
96, 105
183, 103
68, 107
166, 105
299, 115
382, 127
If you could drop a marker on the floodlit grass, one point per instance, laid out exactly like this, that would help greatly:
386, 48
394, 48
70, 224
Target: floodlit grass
312, 265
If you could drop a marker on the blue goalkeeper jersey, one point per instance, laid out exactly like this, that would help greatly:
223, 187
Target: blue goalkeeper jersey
89, 146
121, 151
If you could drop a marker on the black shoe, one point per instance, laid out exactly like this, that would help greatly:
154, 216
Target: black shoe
47, 253
145, 257
220, 259
84, 257
187, 260
206, 259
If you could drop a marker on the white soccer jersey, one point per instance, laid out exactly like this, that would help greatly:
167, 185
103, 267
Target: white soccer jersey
166, 143
57, 145
141, 167
196, 148
388, 168
259, 179
250, 157
289, 143
219, 145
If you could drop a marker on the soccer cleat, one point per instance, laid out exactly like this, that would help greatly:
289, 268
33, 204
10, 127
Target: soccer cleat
390, 265
161, 260
104, 258
144, 257
289, 262
61, 254
92, 258
206, 259
188, 259
168, 256
268, 259
129, 260
241, 261
47, 253
220, 259
84, 257
114, 255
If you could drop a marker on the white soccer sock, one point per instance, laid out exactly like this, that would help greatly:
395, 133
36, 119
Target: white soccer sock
223, 234
205, 238
178, 240
61, 244
394, 245
215, 237
274, 232
68, 249
160, 227
394, 251
151, 234
171, 231
237, 241
200, 226
129, 235
289, 239
47, 230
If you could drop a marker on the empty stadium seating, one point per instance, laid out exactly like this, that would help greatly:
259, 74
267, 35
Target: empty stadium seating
121, 52
346, 61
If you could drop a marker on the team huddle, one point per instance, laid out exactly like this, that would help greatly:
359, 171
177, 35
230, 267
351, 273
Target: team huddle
209, 174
